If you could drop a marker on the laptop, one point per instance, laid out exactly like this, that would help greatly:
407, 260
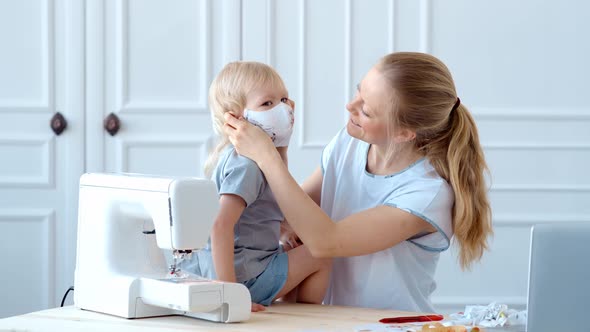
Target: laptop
559, 278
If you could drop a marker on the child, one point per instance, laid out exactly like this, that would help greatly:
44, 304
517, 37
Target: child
244, 243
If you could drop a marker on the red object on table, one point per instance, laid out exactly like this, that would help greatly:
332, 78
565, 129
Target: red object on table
412, 319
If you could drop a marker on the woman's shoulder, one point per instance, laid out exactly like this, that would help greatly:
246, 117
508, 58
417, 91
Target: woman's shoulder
342, 143
422, 179
428, 174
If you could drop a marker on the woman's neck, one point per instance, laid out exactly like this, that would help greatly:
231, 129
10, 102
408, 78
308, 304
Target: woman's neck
382, 161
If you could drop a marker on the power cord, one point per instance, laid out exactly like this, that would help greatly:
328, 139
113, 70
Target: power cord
66, 295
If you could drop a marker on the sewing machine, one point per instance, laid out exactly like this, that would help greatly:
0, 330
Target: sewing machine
125, 224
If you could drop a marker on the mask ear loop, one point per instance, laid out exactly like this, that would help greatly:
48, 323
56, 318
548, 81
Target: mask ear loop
245, 114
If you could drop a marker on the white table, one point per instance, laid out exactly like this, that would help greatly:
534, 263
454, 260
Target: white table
278, 317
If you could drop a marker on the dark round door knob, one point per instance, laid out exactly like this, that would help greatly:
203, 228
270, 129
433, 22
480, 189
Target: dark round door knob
112, 124
58, 123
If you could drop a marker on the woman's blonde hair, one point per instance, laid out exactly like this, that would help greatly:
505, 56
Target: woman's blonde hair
228, 93
424, 100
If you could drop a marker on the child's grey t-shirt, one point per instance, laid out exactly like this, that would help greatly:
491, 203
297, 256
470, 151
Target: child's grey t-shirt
256, 234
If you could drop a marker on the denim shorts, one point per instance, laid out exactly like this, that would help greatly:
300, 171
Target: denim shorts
269, 283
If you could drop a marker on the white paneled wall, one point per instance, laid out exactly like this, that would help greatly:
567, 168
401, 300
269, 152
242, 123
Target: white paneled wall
29, 269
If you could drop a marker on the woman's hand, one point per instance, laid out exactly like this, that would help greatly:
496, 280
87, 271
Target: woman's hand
257, 307
248, 140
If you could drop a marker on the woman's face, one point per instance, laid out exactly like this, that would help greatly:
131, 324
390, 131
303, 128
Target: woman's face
368, 109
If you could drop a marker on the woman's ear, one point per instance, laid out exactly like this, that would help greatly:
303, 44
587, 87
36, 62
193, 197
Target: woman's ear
405, 135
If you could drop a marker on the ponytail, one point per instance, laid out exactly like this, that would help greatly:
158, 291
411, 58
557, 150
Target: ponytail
458, 157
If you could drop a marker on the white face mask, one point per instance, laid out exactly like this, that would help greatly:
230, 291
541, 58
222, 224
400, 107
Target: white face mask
277, 122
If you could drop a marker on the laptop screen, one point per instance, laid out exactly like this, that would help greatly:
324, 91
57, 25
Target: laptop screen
559, 277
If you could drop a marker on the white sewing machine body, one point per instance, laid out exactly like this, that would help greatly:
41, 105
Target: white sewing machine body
120, 267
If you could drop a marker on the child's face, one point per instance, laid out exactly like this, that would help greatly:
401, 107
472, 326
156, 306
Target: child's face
266, 97
269, 108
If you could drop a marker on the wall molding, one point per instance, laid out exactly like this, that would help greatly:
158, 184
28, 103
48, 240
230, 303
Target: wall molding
303, 144
123, 147
540, 187
46, 104
392, 27
348, 27
528, 220
144, 108
530, 113
536, 146
270, 32
46, 217
49, 58
425, 26
47, 177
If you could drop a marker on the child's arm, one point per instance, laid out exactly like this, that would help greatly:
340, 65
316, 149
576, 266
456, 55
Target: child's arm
222, 236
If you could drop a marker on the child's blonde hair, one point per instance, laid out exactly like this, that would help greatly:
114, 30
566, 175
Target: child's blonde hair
228, 93
424, 100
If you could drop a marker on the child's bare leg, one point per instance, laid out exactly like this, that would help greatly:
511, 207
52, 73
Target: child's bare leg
290, 297
313, 288
302, 265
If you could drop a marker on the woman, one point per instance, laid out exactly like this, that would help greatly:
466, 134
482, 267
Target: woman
403, 178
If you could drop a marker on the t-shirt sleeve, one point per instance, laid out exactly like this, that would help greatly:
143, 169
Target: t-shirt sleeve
432, 202
241, 176
329, 149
